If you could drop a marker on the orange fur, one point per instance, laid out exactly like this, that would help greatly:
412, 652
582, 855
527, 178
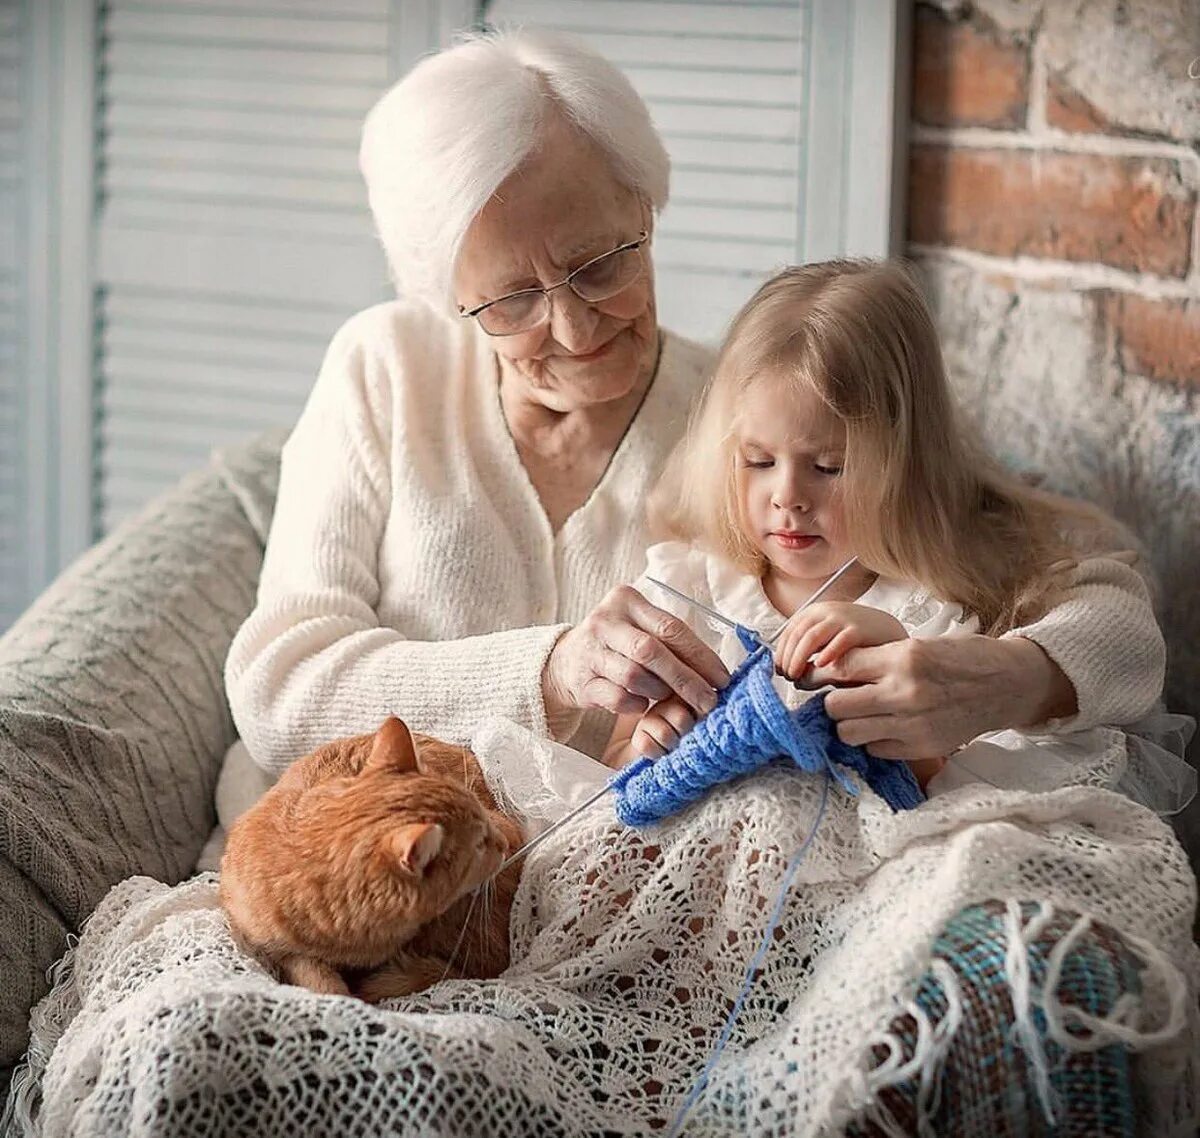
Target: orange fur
355, 872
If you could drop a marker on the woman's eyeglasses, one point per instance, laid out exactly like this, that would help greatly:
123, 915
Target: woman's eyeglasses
598, 279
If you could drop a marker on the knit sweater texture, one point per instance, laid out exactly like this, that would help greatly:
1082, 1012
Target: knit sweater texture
412, 570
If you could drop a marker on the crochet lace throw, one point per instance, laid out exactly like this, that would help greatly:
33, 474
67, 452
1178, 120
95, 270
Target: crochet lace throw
630, 948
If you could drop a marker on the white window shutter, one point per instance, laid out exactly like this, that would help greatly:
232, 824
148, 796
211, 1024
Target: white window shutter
233, 234
733, 89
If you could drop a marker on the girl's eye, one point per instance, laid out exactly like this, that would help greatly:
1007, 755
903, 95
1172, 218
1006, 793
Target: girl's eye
758, 463
830, 470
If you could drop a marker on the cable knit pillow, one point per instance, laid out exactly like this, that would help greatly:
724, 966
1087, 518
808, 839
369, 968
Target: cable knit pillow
113, 719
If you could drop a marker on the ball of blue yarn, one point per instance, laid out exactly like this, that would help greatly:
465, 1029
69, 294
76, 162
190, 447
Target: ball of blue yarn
748, 728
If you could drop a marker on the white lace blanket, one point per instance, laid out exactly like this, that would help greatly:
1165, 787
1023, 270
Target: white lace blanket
628, 951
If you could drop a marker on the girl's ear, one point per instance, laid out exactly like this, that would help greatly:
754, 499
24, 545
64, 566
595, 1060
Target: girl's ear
416, 845
393, 748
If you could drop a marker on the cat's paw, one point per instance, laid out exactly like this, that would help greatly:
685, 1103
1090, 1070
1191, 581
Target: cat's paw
315, 975
401, 978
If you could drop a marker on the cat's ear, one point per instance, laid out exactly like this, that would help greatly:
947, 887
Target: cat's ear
416, 845
393, 748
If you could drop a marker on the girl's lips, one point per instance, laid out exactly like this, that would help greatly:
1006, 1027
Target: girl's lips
795, 540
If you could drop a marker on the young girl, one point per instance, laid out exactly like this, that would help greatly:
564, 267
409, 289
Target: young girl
828, 435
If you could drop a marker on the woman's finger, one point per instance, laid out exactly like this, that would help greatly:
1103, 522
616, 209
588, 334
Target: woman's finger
603, 693
682, 642
653, 668
618, 668
874, 729
892, 749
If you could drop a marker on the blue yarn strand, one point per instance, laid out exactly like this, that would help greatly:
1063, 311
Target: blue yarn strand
755, 964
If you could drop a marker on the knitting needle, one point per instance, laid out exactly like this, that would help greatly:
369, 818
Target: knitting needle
533, 843
694, 603
815, 597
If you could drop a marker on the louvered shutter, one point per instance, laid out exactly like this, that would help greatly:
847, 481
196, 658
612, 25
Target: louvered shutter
234, 235
733, 89
13, 537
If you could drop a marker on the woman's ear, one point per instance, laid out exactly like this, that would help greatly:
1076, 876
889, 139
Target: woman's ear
393, 748
416, 845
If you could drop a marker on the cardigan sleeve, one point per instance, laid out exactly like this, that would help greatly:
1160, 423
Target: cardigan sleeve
312, 662
1104, 637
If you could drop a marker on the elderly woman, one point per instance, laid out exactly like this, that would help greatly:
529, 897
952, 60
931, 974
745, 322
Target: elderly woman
462, 498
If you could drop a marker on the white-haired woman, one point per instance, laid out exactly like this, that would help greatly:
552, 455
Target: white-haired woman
463, 495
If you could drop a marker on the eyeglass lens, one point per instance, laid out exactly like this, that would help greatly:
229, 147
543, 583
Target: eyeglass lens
598, 280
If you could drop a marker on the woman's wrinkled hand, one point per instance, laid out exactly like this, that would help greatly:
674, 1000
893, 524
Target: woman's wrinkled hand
921, 699
625, 655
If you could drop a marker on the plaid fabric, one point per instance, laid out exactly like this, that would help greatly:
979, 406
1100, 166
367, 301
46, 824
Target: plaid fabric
987, 1083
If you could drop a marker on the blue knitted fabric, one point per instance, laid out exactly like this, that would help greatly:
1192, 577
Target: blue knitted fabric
748, 728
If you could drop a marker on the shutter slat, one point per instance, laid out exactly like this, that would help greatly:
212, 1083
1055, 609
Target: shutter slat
334, 160
233, 185
220, 315
766, 21
233, 61
367, 33
228, 123
727, 52
184, 89
184, 377
141, 209
276, 9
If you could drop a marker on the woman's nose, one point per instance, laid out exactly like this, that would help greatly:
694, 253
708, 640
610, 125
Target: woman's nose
572, 321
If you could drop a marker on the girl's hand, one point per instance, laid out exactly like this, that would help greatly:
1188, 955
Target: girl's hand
823, 633
625, 655
661, 728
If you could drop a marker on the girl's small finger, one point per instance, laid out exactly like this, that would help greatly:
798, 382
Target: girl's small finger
837, 647
645, 744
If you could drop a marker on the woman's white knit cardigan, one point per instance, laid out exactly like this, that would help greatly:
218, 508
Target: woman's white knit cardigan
411, 568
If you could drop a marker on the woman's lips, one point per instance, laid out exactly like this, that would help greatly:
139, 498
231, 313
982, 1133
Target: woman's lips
790, 540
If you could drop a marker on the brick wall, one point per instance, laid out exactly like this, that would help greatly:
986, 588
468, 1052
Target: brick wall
1054, 212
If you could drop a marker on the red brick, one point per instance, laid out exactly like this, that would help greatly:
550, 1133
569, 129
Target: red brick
1067, 109
1155, 338
966, 74
1131, 213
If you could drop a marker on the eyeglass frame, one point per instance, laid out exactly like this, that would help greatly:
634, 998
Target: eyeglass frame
641, 240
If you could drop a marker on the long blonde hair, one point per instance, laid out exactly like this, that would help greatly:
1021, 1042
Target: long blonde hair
923, 500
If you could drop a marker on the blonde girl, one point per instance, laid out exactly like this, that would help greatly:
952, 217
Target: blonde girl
829, 433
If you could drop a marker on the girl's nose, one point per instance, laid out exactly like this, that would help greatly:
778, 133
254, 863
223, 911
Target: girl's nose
789, 495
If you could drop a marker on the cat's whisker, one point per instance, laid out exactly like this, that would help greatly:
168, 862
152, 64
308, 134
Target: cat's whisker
461, 935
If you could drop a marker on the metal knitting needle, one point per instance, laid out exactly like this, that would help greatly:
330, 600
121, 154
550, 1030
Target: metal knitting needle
554, 827
694, 603
815, 597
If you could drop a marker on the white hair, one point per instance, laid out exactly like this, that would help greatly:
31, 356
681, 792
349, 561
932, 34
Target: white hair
440, 142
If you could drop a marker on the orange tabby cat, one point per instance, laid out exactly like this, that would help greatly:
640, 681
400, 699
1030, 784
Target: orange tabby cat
353, 874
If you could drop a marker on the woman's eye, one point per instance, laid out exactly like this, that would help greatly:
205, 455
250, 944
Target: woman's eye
830, 470
758, 463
